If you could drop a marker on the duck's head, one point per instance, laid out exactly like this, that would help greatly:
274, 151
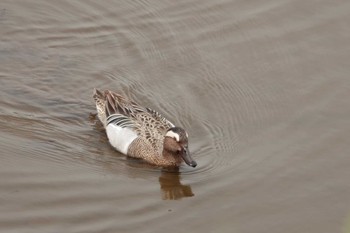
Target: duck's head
176, 142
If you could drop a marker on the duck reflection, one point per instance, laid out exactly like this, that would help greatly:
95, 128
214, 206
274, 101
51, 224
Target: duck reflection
170, 180
171, 187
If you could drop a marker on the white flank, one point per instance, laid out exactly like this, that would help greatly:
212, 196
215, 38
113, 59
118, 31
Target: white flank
120, 138
173, 135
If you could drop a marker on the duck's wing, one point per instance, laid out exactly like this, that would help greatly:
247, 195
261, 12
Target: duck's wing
121, 111
158, 117
117, 104
121, 126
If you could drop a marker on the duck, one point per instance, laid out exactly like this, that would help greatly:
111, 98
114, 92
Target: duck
141, 132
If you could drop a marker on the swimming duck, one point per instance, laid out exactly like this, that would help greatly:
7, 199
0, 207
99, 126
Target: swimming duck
141, 132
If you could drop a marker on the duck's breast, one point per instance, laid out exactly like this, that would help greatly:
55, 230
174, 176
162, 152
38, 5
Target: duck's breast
120, 138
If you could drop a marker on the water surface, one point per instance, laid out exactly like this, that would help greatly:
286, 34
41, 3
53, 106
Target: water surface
262, 87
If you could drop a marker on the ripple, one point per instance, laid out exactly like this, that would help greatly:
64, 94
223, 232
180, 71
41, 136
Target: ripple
260, 88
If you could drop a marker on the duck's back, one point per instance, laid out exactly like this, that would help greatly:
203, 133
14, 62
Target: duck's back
130, 125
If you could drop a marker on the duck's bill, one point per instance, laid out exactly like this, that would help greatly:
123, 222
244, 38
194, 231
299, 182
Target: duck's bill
188, 159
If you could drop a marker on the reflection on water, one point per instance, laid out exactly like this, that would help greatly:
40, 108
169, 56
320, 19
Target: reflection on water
171, 187
169, 178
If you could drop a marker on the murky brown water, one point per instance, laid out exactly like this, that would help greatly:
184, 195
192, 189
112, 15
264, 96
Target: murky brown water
263, 88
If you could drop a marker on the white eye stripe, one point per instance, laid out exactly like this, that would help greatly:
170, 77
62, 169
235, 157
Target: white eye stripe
173, 135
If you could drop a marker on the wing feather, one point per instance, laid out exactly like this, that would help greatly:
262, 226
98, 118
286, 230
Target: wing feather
159, 117
121, 120
126, 113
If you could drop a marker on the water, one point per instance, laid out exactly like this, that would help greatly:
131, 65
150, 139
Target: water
262, 88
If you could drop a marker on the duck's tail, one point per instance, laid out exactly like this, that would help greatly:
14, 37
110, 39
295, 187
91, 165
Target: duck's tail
100, 101
98, 95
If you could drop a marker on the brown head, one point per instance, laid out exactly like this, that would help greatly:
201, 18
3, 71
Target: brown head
176, 144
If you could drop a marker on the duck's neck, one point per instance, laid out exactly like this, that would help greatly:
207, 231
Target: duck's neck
171, 159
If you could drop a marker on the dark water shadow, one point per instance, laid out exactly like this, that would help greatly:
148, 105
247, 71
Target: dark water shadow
169, 179
171, 186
